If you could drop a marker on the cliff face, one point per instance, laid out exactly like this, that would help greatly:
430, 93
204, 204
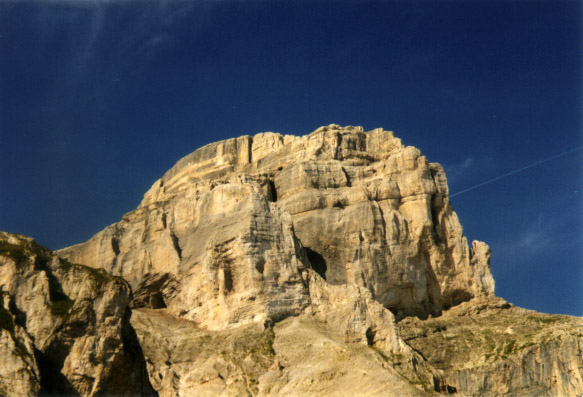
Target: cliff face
328, 264
64, 329
239, 221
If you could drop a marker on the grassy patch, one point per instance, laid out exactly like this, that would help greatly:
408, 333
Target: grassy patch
526, 345
99, 276
61, 307
60, 303
549, 319
261, 344
509, 347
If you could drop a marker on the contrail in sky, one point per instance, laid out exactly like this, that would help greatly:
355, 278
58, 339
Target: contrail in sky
518, 170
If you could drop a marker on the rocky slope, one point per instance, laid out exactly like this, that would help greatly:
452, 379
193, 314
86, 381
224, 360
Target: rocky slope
328, 264
488, 347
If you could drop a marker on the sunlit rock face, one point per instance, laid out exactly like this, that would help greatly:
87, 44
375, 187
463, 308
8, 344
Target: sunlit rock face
226, 234
326, 264
64, 328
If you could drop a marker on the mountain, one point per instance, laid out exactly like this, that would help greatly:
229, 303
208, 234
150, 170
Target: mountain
327, 264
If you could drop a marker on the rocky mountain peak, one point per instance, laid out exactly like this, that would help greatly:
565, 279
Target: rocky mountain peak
326, 264
253, 213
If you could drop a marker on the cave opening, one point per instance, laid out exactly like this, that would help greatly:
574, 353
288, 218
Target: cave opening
370, 334
228, 279
317, 261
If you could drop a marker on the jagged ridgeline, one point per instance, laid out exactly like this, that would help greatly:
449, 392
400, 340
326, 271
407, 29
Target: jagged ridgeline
279, 265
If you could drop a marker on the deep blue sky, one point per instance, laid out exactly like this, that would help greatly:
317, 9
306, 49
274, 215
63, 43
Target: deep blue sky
99, 98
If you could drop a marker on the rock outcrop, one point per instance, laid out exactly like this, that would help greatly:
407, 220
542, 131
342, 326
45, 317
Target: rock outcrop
328, 264
490, 348
64, 329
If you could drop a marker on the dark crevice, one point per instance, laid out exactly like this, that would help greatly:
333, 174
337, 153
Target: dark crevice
383, 222
228, 279
370, 334
115, 245
176, 245
153, 291
250, 150
260, 265
130, 375
317, 261
52, 381
348, 182
440, 387
273, 191
437, 385
19, 315
60, 303
41, 263
338, 146
454, 298
164, 221
436, 228
116, 251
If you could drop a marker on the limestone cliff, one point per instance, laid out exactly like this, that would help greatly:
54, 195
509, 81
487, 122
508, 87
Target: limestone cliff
64, 329
327, 264
239, 221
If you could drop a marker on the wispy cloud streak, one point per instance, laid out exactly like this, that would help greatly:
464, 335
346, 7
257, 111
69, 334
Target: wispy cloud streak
517, 171
457, 171
534, 238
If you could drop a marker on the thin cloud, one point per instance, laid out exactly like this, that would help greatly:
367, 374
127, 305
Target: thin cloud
459, 170
536, 237
532, 241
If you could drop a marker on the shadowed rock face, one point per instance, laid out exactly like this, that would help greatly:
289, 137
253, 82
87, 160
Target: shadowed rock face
64, 329
277, 265
238, 221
